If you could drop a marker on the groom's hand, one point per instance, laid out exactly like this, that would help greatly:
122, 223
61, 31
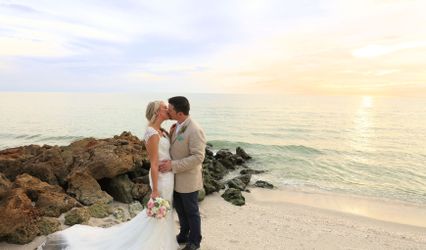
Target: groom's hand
165, 166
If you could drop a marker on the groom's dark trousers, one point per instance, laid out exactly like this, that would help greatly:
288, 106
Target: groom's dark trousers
186, 205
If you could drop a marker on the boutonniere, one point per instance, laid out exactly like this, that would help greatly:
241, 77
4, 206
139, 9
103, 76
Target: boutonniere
181, 131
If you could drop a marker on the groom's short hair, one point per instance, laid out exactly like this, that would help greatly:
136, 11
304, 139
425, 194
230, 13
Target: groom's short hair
180, 103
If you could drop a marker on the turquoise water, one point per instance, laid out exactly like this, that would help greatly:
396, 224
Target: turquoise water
373, 147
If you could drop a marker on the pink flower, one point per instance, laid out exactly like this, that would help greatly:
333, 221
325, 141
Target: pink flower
149, 212
150, 203
157, 208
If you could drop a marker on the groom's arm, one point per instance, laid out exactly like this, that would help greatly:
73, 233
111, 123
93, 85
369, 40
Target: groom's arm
197, 147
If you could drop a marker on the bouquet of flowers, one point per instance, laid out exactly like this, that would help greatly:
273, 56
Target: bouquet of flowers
157, 207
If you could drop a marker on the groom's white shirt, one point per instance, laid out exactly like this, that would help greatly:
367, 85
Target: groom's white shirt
179, 125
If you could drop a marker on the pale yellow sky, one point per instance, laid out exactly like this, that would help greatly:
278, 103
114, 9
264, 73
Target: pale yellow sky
354, 47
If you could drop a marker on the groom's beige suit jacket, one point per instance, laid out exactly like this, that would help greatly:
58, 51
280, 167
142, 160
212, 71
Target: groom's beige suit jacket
187, 151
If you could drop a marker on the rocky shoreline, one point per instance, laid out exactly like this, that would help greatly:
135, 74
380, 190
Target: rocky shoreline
39, 184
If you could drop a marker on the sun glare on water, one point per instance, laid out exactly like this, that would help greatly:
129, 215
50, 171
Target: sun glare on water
367, 101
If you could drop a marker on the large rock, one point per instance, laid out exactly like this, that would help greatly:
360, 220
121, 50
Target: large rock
12, 160
140, 190
120, 188
237, 183
5, 186
234, 196
263, 184
252, 171
86, 189
18, 218
29, 182
105, 158
208, 152
53, 204
245, 178
99, 210
228, 163
77, 216
119, 214
48, 225
242, 153
211, 185
48, 166
135, 208
51, 200
216, 169
223, 154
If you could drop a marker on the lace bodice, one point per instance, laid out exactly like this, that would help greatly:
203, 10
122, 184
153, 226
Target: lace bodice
164, 144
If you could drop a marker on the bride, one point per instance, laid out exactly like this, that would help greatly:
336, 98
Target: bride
142, 232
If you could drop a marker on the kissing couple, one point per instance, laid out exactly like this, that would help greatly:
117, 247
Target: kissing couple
175, 175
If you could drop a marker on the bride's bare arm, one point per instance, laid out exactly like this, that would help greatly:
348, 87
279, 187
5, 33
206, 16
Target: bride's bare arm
152, 150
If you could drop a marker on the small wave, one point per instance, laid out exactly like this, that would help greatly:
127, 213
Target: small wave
60, 138
263, 134
13, 140
33, 136
13, 136
21, 136
268, 148
303, 149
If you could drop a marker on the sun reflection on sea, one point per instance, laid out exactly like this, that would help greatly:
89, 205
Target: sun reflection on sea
363, 123
367, 102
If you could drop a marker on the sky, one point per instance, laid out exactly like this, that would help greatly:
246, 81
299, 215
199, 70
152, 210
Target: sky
331, 47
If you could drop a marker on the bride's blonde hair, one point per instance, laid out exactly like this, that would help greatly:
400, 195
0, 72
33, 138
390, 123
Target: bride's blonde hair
152, 111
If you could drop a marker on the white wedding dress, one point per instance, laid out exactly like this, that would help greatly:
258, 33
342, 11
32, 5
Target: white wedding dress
142, 232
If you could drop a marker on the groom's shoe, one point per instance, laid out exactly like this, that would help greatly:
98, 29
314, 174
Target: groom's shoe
181, 240
191, 246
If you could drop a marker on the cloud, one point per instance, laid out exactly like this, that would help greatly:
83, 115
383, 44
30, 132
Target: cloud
324, 53
31, 48
379, 50
318, 46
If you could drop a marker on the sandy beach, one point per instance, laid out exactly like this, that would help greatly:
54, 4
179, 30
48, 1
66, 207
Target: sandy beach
269, 222
278, 219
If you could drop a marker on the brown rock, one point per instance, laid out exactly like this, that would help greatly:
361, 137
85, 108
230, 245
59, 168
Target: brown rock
99, 210
140, 190
105, 158
48, 225
53, 204
12, 160
48, 166
76, 153
86, 189
5, 185
51, 200
120, 187
77, 216
108, 161
29, 182
18, 218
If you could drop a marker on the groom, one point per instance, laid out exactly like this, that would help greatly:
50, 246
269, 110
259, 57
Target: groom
187, 151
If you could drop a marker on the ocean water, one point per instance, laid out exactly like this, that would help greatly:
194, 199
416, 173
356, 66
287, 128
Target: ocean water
365, 146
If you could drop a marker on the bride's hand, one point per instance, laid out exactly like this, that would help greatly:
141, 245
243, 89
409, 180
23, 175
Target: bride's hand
155, 194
